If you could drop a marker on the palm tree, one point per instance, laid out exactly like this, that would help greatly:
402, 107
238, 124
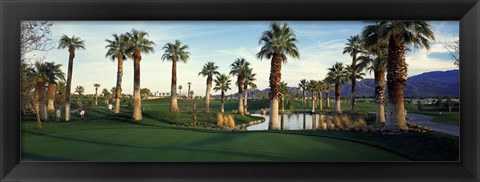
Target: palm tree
72, 44
180, 88
117, 49
39, 76
248, 80
222, 83
320, 88
137, 44
284, 91
239, 68
189, 84
96, 85
277, 42
106, 95
337, 74
175, 52
396, 35
353, 47
55, 74
327, 86
254, 88
357, 75
304, 86
208, 70
80, 90
377, 64
313, 87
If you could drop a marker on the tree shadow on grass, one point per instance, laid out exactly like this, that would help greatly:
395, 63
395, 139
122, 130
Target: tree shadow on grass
259, 155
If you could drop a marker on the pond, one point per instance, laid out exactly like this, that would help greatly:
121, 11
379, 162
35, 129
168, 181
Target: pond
295, 121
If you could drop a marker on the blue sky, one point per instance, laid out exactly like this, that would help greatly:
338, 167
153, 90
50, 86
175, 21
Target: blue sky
320, 44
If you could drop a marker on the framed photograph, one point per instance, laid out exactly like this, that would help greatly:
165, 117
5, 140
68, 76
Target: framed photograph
239, 90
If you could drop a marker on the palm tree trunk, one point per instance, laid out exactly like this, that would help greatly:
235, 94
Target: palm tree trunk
380, 96
240, 94
352, 77
69, 83
223, 101
173, 88
396, 78
283, 104
320, 100
304, 121
206, 108
245, 102
274, 81
314, 121
337, 98
51, 97
304, 98
96, 95
137, 99
36, 106
282, 121
118, 89
327, 95
314, 99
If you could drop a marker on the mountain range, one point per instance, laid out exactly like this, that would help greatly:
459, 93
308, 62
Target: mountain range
428, 84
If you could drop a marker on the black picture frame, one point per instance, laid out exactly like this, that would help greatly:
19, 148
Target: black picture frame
466, 11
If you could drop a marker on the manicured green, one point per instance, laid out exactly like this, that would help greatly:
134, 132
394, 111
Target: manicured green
103, 137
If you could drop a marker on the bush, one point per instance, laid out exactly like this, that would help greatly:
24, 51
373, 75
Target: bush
220, 119
225, 121
346, 122
329, 123
231, 121
321, 123
337, 122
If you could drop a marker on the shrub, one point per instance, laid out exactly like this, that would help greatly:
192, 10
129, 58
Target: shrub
329, 123
360, 124
321, 123
231, 121
220, 119
346, 122
225, 121
337, 122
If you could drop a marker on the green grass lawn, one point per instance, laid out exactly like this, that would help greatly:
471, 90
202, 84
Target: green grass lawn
102, 137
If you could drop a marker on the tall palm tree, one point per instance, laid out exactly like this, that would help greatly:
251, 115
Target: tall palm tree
396, 35
357, 75
376, 61
254, 88
239, 68
313, 87
117, 49
39, 76
138, 43
189, 84
175, 52
277, 42
248, 80
304, 86
337, 74
222, 83
96, 85
72, 44
208, 70
327, 86
320, 88
353, 47
284, 91
55, 74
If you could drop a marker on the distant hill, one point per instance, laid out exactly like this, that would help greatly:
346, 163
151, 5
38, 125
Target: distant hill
428, 84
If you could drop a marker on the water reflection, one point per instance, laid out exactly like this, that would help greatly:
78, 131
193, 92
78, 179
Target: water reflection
291, 122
